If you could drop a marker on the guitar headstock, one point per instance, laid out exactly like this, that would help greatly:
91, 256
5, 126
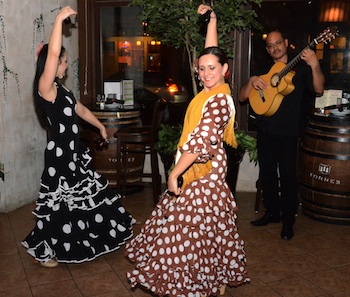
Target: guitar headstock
327, 35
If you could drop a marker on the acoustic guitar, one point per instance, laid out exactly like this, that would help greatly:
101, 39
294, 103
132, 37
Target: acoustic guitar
279, 80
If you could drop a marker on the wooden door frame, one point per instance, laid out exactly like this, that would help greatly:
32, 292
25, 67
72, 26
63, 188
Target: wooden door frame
90, 47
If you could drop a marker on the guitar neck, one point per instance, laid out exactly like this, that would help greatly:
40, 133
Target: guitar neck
295, 60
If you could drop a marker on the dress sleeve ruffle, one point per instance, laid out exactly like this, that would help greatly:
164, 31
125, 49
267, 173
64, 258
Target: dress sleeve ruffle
208, 132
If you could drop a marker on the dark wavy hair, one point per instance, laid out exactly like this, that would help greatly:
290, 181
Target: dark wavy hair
40, 66
216, 51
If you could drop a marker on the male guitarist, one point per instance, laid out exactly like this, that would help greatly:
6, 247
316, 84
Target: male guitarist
278, 132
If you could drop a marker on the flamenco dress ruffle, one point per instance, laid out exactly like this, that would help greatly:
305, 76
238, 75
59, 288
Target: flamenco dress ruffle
189, 247
78, 217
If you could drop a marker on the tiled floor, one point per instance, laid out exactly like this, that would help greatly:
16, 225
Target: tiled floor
316, 262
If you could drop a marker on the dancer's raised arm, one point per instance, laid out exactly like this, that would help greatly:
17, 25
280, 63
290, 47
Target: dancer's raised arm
211, 38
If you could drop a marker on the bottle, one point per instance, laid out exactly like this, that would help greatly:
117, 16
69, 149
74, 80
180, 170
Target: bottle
102, 102
98, 101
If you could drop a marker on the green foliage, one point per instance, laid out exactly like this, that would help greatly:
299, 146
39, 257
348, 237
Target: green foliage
168, 138
176, 23
248, 143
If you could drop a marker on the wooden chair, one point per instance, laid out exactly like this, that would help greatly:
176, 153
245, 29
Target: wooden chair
140, 140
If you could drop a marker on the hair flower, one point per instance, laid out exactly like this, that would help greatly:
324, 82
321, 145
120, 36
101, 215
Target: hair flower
38, 50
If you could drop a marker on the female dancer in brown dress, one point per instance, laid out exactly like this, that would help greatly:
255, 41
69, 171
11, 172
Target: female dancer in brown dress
190, 245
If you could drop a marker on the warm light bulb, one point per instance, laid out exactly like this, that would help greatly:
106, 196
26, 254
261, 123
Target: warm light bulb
172, 88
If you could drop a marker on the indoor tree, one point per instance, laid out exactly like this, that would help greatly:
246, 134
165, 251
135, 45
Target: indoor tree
176, 23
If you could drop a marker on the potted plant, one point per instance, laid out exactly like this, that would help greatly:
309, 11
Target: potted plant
168, 138
246, 143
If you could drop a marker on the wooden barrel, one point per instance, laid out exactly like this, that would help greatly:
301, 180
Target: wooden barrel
324, 170
105, 161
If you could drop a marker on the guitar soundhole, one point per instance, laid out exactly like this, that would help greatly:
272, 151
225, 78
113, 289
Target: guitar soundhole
275, 80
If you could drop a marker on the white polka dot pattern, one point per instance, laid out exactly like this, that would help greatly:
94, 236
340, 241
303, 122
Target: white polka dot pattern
50, 145
62, 128
75, 129
79, 218
59, 152
68, 111
69, 99
72, 145
52, 171
193, 237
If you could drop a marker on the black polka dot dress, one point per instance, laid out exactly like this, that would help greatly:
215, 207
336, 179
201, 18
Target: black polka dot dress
190, 244
78, 216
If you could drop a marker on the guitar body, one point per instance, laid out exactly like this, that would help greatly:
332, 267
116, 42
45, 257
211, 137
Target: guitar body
268, 101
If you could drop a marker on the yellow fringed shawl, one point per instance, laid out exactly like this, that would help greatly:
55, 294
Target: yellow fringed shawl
192, 118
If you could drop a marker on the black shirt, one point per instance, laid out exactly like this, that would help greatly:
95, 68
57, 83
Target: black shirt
288, 117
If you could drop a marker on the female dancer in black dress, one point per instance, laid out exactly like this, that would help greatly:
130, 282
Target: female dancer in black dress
78, 217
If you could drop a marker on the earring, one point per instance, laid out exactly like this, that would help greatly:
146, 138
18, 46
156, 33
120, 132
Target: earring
200, 82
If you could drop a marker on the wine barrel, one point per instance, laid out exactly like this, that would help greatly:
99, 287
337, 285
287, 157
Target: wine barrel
104, 161
323, 170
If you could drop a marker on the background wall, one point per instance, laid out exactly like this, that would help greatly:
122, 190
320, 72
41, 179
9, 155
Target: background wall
248, 174
24, 24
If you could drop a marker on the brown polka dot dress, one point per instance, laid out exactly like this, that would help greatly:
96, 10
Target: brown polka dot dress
190, 245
